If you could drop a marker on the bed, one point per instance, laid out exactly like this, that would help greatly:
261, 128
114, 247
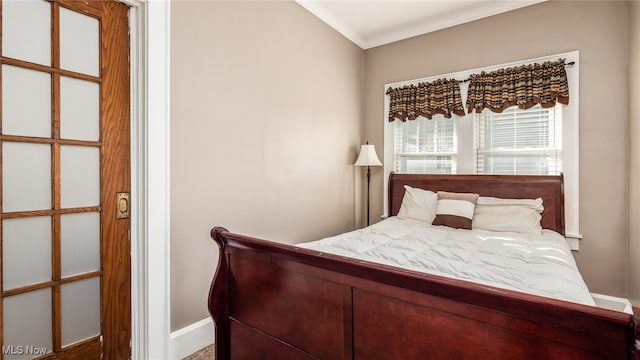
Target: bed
310, 301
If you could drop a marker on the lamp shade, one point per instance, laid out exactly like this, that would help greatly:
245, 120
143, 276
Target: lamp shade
368, 156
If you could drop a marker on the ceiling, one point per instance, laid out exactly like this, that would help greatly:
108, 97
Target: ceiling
371, 23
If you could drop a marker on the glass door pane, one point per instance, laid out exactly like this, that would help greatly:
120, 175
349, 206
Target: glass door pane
80, 310
26, 252
27, 321
80, 235
26, 106
79, 42
26, 176
79, 109
26, 31
79, 176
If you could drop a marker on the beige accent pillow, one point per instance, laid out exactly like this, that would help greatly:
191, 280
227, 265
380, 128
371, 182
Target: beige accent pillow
535, 204
511, 218
455, 209
418, 204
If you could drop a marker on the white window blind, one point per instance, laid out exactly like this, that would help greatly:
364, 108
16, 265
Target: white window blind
425, 146
519, 142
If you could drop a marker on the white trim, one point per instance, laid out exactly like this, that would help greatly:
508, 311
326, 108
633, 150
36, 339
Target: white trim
190, 339
461, 17
612, 303
138, 294
149, 40
340, 21
571, 133
157, 179
571, 150
330, 19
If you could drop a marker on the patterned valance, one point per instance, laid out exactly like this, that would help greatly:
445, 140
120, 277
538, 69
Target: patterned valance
524, 86
425, 99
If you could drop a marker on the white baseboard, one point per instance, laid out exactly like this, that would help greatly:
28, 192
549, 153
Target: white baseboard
190, 339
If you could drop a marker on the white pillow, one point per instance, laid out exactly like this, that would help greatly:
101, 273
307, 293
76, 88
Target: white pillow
418, 204
513, 218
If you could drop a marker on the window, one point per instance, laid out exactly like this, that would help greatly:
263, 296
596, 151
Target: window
516, 142
533, 141
425, 146
519, 142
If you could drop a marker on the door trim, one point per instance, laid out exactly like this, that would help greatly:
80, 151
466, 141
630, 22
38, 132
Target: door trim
149, 40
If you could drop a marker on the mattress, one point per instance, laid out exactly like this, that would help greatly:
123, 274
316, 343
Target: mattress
539, 264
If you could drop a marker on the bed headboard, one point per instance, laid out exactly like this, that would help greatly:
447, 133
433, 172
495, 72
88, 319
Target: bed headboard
547, 187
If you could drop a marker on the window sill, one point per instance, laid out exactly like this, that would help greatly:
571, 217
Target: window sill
574, 241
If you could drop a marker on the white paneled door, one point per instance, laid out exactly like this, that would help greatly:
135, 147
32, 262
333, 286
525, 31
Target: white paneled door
65, 179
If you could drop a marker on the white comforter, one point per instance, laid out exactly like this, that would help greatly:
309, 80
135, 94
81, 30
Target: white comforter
536, 264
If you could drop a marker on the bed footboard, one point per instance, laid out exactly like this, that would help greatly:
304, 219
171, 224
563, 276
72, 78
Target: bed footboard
272, 300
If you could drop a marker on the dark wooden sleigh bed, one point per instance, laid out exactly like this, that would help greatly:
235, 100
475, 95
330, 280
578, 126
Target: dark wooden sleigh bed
276, 301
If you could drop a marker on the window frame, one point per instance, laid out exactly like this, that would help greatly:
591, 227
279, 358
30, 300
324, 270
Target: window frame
466, 140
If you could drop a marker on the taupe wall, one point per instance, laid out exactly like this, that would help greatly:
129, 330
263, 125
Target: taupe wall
599, 30
266, 121
634, 178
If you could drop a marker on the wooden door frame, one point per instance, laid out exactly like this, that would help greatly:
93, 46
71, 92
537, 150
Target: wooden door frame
149, 39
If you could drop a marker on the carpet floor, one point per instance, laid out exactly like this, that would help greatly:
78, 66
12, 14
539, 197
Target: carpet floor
202, 354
